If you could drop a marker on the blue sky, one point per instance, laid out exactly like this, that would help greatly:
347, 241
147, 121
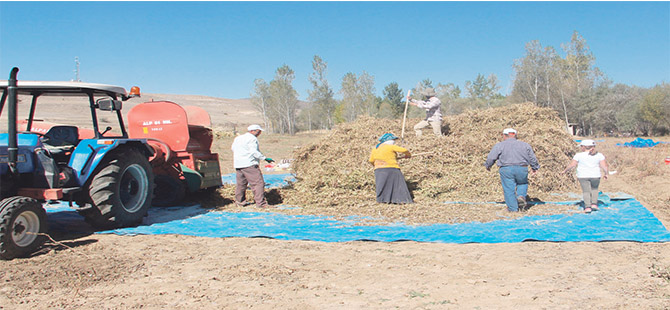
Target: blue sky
219, 48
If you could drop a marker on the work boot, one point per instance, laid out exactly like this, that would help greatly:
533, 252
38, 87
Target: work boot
242, 204
521, 200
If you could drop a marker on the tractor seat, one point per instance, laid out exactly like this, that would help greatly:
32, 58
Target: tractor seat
60, 141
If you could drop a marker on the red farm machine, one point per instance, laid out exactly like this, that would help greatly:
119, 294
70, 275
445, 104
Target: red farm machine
181, 138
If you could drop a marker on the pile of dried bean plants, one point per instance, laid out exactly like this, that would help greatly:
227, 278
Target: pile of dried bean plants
450, 185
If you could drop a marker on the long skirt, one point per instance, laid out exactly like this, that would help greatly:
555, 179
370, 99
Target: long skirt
391, 186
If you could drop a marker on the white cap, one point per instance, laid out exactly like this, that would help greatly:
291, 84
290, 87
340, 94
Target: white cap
508, 131
588, 143
254, 127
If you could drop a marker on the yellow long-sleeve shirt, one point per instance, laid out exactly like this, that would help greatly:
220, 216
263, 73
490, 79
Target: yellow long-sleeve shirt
385, 156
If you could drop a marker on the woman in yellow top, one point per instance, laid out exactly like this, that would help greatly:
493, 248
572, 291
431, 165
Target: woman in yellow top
390, 183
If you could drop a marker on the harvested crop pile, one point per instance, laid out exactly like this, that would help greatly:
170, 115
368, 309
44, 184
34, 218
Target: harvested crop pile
334, 173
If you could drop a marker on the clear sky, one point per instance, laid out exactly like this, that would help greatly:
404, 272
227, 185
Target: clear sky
219, 48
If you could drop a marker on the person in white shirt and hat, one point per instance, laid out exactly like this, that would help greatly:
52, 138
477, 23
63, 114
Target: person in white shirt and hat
433, 115
589, 163
246, 160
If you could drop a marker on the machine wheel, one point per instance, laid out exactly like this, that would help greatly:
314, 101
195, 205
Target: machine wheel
121, 191
168, 192
22, 223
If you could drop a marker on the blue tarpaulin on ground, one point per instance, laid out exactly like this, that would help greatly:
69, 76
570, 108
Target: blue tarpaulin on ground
271, 180
639, 142
619, 219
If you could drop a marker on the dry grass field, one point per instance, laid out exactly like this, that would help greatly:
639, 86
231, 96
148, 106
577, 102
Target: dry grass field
98, 271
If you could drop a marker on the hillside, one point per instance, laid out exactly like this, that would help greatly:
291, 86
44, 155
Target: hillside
225, 113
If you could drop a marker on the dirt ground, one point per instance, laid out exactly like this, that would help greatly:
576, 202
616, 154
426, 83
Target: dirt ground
181, 272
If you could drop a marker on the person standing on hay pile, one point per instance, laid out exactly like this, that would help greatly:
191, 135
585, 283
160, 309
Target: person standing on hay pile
389, 182
589, 162
433, 115
513, 158
246, 160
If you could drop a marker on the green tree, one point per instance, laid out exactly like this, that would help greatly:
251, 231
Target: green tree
285, 100
482, 91
570, 85
578, 63
351, 102
358, 96
529, 79
449, 94
321, 96
261, 100
394, 98
418, 90
655, 109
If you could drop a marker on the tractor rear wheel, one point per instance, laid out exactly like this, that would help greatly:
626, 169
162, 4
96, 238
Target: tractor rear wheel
23, 227
121, 191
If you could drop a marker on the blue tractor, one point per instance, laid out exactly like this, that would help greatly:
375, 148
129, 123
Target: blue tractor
102, 174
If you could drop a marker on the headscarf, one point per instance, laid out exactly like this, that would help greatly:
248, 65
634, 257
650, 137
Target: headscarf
386, 137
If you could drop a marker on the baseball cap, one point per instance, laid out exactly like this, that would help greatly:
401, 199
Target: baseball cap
254, 127
588, 143
508, 131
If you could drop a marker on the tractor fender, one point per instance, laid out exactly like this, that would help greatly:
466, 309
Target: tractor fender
27, 143
90, 152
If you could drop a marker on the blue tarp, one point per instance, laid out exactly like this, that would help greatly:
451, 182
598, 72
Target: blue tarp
579, 140
618, 219
639, 142
271, 180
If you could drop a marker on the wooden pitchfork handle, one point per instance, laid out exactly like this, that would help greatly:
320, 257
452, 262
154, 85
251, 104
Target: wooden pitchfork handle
404, 116
424, 153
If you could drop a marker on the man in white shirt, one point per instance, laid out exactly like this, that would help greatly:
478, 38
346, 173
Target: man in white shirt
246, 160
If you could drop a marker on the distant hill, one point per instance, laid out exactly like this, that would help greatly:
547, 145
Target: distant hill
226, 114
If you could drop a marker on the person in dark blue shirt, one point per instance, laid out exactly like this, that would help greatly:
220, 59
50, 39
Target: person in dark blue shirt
513, 158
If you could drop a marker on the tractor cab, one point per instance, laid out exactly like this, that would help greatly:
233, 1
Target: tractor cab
46, 156
46, 133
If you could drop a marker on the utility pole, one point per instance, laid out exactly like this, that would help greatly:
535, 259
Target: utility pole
76, 70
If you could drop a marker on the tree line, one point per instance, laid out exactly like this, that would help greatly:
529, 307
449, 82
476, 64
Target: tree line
568, 82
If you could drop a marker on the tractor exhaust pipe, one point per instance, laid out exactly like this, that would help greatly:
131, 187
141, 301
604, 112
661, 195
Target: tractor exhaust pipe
13, 149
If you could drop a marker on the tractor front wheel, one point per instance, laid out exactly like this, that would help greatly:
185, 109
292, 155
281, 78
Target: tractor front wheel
23, 227
121, 191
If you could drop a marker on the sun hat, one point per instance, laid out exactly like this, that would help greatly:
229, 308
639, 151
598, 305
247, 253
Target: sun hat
508, 131
587, 143
254, 127
430, 92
